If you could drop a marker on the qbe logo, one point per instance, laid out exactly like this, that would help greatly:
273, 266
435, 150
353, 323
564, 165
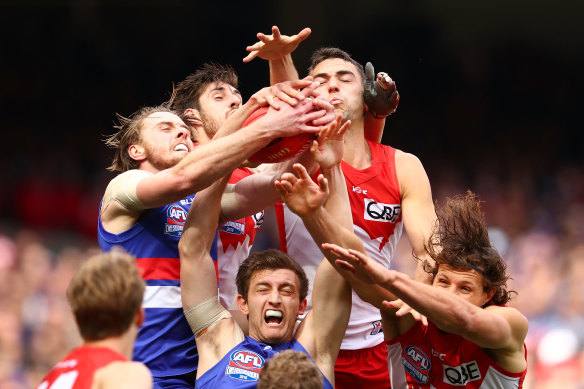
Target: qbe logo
175, 220
244, 365
462, 374
379, 212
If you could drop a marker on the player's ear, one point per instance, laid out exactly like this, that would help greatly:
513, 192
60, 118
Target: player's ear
242, 305
302, 307
137, 152
489, 296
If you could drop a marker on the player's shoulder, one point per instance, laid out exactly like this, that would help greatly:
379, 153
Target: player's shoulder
133, 174
408, 165
119, 374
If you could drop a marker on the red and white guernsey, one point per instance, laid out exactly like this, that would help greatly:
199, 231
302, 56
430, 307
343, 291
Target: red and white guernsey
76, 370
425, 357
375, 200
234, 245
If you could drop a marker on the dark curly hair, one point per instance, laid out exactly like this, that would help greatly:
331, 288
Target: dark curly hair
461, 241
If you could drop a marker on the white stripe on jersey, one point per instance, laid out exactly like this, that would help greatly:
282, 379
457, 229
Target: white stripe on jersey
162, 297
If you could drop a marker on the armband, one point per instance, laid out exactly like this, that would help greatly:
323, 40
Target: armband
204, 315
123, 189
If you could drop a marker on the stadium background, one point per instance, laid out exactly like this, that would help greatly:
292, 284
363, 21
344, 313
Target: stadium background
490, 100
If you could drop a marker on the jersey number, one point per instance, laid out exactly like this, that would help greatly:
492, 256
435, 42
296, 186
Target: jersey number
64, 381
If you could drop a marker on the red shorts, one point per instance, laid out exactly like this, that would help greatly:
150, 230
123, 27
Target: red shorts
365, 368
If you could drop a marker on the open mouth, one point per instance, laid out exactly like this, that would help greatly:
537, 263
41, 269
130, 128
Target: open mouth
273, 317
180, 147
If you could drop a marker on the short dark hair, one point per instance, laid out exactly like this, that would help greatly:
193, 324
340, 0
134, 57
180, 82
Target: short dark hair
271, 259
128, 134
325, 53
187, 93
461, 242
105, 294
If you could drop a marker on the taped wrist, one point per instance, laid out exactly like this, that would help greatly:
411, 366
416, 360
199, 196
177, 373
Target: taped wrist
204, 315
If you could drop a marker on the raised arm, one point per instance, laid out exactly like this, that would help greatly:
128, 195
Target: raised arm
323, 329
418, 214
214, 330
277, 49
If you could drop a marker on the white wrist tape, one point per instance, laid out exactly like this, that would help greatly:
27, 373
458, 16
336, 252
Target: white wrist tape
205, 314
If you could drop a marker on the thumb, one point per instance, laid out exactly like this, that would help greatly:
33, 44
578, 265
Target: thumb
369, 72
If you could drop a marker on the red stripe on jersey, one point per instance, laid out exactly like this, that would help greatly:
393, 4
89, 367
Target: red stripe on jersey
159, 268
279, 207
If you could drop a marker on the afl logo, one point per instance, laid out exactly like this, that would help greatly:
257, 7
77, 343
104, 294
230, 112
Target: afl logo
418, 358
175, 220
244, 365
247, 359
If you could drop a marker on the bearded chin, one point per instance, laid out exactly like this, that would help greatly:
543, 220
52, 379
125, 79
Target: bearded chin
162, 163
210, 125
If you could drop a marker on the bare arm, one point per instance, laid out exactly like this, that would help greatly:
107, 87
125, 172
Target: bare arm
324, 327
418, 214
277, 49
216, 333
500, 329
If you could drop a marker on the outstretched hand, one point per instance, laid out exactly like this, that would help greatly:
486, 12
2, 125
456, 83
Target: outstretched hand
380, 94
275, 46
359, 264
300, 193
327, 149
288, 91
404, 309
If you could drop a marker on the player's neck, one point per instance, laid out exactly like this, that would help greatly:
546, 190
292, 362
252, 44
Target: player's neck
123, 344
357, 152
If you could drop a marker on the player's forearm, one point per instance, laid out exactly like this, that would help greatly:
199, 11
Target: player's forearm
198, 278
282, 70
252, 194
447, 311
208, 162
338, 204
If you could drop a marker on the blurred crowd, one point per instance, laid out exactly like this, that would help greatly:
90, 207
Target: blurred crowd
540, 233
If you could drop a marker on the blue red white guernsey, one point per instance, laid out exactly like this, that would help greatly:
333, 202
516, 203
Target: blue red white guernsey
76, 370
375, 200
233, 246
241, 367
425, 357
165, 343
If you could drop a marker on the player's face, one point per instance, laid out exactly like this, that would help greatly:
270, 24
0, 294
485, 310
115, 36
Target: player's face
218, 101
341, 85
273, 303
166, 139
467, 284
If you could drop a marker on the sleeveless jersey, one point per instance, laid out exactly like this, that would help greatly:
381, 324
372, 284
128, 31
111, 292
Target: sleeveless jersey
234, 245
165, 343
425, 357
241, 366
376, 208
76, 370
